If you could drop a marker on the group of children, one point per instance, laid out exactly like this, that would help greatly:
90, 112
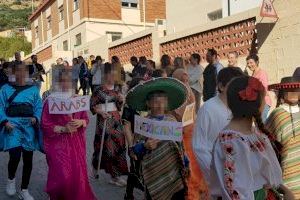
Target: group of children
240, 158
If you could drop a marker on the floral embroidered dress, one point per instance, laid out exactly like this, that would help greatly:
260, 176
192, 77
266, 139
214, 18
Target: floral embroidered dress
242, 165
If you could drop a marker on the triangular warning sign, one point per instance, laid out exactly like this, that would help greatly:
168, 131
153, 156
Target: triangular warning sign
267, 9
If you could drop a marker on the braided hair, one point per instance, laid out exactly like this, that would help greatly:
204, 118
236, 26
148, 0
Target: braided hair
249, 109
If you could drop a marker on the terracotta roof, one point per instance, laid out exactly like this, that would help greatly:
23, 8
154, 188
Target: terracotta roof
40, 8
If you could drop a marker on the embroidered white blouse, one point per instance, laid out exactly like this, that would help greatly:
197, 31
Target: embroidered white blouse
243, 164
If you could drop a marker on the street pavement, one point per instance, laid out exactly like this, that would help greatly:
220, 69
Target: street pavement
101, 188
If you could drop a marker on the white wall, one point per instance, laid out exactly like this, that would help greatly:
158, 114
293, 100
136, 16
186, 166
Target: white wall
130, 15
237, 6
94, 30
184, 14
76, 17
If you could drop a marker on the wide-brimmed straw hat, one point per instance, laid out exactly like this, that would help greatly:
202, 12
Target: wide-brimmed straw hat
287, 84
175, 90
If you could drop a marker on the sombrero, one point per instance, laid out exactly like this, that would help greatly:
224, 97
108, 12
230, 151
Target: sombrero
288, 84
175, 90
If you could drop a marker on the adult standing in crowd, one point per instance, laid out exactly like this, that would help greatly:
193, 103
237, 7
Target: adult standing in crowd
120, 73
18, 58
179, 63
260, 74
212, 117
137, 68
75, 74
97, 73
83, 76
166, 65
20, 113
59, 61
195, 72
210, 74
197, 188
143, 61
107, 102
64, 142
233, 61
36, 70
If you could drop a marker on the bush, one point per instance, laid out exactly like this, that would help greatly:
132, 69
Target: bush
8, 46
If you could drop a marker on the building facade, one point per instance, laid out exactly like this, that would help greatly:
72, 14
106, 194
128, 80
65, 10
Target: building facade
185, 14
68, 28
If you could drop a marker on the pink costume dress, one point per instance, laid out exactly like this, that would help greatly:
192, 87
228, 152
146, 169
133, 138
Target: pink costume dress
66, 158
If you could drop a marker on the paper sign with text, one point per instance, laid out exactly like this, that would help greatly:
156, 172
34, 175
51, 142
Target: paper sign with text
68, 105
161, 130
188, 115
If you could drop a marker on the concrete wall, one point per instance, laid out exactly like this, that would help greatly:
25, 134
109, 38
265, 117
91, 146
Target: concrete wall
185, 14
279, 42
237, 6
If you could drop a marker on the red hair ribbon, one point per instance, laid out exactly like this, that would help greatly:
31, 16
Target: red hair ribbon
250, 93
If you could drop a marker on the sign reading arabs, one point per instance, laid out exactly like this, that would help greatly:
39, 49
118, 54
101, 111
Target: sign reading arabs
188, 115
267, 9
161, 130
68, 105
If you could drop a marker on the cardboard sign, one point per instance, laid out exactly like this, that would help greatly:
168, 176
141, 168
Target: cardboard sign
188, 115
68, 105
161, 130
267, 9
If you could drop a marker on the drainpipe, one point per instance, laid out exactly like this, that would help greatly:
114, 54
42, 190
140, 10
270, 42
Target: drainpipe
228, 3
144, 12
68, 25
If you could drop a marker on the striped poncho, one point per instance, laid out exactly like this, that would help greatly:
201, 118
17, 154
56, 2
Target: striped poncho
287, 132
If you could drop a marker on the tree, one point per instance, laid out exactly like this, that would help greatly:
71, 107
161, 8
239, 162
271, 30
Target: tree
8, 46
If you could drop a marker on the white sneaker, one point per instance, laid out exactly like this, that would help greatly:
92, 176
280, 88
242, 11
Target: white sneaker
11, 187
24, 195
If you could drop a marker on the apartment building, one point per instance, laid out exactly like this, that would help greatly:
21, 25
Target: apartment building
68, 28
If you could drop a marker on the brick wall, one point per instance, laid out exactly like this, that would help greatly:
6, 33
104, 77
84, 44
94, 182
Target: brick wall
101, 9
45, 54
55, 19
239, 37
138, 47
155, 9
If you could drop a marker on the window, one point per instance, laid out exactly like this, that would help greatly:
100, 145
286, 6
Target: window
215, 15
65, 45
78, 39
49, 23
61, 13
76, 5
115, 35
130, 3
36, 31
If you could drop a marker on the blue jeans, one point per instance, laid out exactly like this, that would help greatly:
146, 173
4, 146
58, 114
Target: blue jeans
265, 113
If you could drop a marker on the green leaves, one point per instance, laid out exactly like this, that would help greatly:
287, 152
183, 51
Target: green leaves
8, 46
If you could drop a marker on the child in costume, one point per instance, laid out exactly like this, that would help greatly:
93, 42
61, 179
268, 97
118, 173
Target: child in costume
284, 123
244, 164
164, 164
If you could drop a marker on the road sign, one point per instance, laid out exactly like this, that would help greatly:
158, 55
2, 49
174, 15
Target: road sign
267, 9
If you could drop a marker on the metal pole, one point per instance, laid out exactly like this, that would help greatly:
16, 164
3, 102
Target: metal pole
228, 7
102, 138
